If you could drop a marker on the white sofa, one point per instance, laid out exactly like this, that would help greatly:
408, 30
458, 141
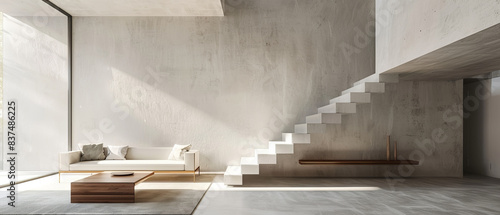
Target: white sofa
137, 159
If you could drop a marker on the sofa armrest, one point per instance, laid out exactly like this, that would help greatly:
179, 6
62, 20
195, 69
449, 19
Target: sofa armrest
192, 160
67, 158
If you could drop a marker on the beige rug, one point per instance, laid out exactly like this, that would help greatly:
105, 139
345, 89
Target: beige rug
161, 194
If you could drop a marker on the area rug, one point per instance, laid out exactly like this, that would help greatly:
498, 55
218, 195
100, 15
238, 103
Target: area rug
154, 196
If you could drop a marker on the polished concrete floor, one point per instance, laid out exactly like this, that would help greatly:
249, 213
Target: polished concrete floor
271, 195
266, 195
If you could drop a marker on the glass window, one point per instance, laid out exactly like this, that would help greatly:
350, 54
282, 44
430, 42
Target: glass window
34, 60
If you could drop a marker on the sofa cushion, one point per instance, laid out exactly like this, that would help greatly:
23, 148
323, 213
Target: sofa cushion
92, 152
117, 152
104, 148
128, 165
178, 152
148, 153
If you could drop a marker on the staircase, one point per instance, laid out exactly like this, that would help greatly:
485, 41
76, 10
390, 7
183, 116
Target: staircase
332, 113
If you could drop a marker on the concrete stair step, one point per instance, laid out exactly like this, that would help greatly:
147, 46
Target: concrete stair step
324, 118
343, 108
381, 78
281, 147
296, 138
353, 97
265, 156
233, 176
249, 166
310, 128
367, 87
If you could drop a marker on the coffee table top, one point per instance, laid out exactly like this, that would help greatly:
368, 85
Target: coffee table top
106, 177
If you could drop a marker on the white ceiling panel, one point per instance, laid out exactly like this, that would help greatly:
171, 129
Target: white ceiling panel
141, 7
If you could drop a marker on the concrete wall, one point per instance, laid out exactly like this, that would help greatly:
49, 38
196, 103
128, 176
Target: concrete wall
36, 76
411, 28
481, 136
425, 118
228, 85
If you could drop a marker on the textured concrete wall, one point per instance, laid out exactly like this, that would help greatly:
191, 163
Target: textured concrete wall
411, 28
228, 85
481, 117
36, 76
425, 118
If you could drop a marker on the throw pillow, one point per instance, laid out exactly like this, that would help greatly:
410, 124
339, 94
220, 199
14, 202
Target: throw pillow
105, 148
117, 152
106, 151
92, 152
178, 152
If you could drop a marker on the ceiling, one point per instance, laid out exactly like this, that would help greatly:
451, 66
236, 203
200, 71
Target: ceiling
114, 7
141, 7
473, 55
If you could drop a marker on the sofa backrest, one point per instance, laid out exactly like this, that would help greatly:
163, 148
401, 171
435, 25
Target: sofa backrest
148, 153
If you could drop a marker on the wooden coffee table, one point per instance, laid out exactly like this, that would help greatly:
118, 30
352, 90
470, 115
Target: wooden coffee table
106, 188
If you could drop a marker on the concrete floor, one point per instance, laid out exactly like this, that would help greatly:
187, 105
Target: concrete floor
271, 195
265, 195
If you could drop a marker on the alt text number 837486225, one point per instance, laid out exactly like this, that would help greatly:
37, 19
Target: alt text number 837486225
11, 152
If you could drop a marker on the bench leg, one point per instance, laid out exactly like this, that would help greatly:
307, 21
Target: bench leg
194, 173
